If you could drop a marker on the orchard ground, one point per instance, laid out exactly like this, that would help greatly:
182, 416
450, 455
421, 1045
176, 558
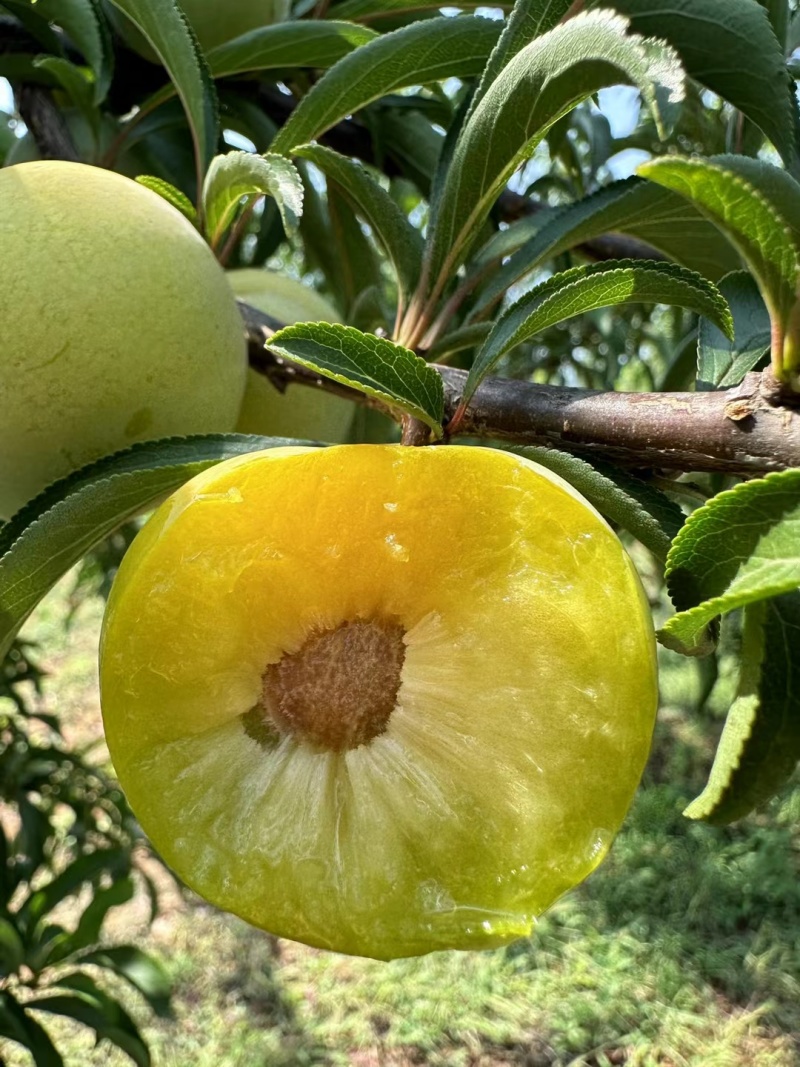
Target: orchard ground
681, 950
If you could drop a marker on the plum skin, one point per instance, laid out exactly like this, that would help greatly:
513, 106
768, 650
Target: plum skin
301, 412
117, 324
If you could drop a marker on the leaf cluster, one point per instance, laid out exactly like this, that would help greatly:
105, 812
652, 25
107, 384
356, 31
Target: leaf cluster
65, 829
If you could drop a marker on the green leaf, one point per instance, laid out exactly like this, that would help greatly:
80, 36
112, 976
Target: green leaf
89, 33
172, 195
48, 536
731, 48
86, 868
640, 508
75, 81
401, 242
318, 44
583, 289
760, 745
758, 208
165, 27
641, 209
16, 1024
423, 52
372, 364
458, 341
92, 1006
35, 22
368, 10
91, 921
12, 951
741, 547
352, 260
722, 362
141, 971
243, 177
543, 82
528, 20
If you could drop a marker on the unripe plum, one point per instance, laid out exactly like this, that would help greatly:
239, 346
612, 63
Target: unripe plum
117, 324
302, 412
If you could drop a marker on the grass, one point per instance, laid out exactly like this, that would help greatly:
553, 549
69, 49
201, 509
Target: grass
681, 951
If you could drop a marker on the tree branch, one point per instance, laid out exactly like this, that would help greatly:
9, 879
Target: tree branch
46, 123
750, 429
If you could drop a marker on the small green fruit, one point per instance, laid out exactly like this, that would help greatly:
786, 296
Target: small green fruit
214, 21
117, 324
301, 412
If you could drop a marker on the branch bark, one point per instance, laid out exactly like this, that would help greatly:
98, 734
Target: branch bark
46, 123
747, 430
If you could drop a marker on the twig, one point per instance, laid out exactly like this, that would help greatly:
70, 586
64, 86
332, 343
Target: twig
46, 123
415, 432
750, 429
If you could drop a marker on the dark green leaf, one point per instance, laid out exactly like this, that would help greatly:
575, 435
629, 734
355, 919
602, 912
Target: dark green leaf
658, 216
12, 951
722, 362
420, 53
91, 921
165, 27
141, 971
351, 259
755, 205
88, 32
583, 289
731, 48
317, 44
369, 363
543, 82
459, 341
93, 1007
16, 1024
741, 547
760, 745
54, 531
374, 10
84, 869
528, 20
75, 81
401, 242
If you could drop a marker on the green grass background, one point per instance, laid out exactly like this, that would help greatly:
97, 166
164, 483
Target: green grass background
683, 949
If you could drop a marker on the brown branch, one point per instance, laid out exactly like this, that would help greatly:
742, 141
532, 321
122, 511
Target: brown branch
415, 432
745, 430
749, 430
46, 123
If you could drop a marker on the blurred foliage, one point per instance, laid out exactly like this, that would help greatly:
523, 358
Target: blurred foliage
67, 845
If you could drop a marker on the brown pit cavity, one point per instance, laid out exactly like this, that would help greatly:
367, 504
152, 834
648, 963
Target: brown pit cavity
339, 690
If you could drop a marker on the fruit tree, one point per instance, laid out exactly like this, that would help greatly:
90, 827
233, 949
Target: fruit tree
454, 355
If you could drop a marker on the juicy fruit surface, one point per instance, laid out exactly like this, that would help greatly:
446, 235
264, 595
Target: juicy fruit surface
523, 717
116, 324
302, 412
